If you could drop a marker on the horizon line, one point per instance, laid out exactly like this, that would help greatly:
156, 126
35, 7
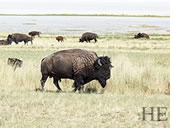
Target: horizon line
66, 14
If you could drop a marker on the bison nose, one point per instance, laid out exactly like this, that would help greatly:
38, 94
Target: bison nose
107, 77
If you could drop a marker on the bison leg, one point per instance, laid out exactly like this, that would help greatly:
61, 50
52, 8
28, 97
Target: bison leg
81, 90
88, 41
31, 42
15, 66
43, 80
95, 40
75, 85
25, 42
55, 81
78, 85
16, 42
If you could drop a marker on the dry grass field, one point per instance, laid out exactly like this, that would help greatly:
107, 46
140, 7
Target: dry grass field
140, 78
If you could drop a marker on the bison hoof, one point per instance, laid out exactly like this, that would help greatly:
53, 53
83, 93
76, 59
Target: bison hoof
81, 91
74, 90
38, 89
58, 91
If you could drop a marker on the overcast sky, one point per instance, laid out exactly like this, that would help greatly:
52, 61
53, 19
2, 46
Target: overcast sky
85, 6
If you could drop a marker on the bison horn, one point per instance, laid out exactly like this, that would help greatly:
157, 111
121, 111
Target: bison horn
99, 62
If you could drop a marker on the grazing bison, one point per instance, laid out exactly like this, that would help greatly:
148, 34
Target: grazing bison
17, 37
34, 33
79, 65
14, 62
5, 42
141, 35
59, 38
88, 36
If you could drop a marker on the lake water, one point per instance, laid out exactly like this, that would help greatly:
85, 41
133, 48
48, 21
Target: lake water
76, 25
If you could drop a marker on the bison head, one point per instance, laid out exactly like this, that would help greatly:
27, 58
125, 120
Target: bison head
139, 35
135, 36
81, 40
9, 39
103, 69
9, 36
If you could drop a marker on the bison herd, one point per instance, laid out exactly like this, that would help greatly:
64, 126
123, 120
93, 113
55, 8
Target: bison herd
19, 37
86, 37
82, 66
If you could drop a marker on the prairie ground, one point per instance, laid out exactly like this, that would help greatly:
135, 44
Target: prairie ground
140, 78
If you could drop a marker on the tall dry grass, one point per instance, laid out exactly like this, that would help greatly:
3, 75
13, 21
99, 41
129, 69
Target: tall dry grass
147, 77
127, 76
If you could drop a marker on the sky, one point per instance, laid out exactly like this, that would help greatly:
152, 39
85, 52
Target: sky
158, 7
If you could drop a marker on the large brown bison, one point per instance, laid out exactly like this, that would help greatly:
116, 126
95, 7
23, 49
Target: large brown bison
60, 38
17, 37
88, 36
82, 66
34, 33
141, 35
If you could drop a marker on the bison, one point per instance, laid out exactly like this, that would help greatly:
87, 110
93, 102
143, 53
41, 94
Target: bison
141, 35
60, 38
17, 37
14, 62
82, 66
34, 33
88, 36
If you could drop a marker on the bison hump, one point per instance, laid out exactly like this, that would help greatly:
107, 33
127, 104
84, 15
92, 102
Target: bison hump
84, 64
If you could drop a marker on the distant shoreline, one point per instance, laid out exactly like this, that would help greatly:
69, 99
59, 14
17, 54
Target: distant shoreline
105, 15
